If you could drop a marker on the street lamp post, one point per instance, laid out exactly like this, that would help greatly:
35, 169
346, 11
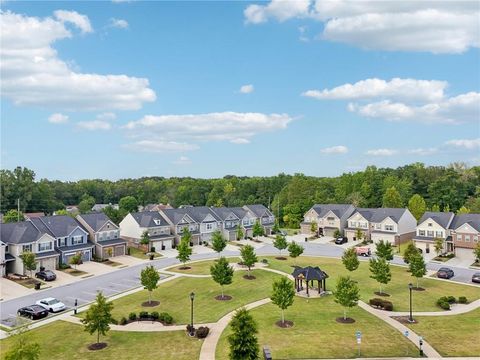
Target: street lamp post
192, 330
410, 318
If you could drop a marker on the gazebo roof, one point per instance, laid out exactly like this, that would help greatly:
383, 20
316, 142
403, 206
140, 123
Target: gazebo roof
309, 273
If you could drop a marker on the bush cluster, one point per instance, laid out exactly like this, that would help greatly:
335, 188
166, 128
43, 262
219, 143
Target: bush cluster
462, 300
123, 321
132, 316
381, 304
163, 317
202, 332
446, 301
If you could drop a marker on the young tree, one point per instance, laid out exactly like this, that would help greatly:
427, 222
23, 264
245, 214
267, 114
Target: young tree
358, 234
248, 257
129, 204
275, 228
98, 317
392, 198
76, 260
280, 243
417, 206
346, 294
243, 340
463, 210
29, 261
184, 250
145, 239
12, 216
438, 245
417, 266
385, 250
410, 251
239, 233
476, 252
380, 270
23, 349
187, 235
222, 272
219, 243
149, 277
295, 250
350, 259
257, 229
314, 227
337, 233
283, 294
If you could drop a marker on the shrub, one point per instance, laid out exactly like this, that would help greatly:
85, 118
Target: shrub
202, 332
462, 300
113, 321
152, 249
382, 304
190, 328
265, 261
123, 320
443, 303
63, 266
143, 315
451, 299
166, 318
387, 305
155, 316
375, 302
132, 316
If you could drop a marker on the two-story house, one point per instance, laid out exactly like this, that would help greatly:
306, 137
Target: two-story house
329, 218
207, 219
465, 231
247, 220
229, 222
434, 225
359, 220
394, 225
71, 237
24, 236
159, 229
263, 215
104, 234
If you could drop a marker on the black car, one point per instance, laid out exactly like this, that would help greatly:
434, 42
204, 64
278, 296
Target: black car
476, 277
46, 275
33, 312
341, 240
445, 273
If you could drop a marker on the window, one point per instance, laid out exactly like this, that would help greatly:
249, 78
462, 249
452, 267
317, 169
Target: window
27, 248
45, 246
467, 238
430, 224
330, 218
209, 226
421, 232
389, 227
62, 241
6, 248
439, 234
430, 233
378, 226
77, 240
245, 222
459, 237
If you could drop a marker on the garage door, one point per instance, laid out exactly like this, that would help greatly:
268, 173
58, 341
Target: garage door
119, 250
464, 254
48, 263
167, 244
86, 255
385, 237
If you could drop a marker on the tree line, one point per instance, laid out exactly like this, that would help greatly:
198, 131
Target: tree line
445, 188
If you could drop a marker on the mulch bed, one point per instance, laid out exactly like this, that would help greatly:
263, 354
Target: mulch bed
184, 268
348, 320
381, 294
249, 277
418, 288
280, 258
98, 346
224, 298
286, 324
404, 319
151, 304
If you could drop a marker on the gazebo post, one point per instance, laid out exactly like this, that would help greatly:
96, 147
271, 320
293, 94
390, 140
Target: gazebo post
318, 281
307, 288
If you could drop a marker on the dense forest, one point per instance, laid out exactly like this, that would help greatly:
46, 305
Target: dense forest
440, 187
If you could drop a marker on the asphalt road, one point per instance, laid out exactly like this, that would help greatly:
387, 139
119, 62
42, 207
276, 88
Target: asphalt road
128, 278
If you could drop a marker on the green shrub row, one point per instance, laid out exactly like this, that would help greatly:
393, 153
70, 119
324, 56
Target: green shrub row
163, 317
446, 301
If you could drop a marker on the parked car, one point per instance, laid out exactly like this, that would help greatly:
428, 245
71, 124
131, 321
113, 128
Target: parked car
283, 232
363, 251
445, 273
46, 275
341, 240
51, 304
476, 277
33, 312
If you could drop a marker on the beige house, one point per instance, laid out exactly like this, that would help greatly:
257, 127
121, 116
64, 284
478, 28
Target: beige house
465, 231
328, 217
434, 225
394, 225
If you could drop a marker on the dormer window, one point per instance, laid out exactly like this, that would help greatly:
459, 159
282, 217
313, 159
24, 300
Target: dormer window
430, 224
156, 221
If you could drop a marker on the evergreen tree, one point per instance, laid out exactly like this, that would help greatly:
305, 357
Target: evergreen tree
417, 266
249, 258
98, 317
243, 340
283, 294
385, 250
280, 243
149, 277
346, 293
222, 272
350, 259
219, 243
417, 206
380, 270
392, 198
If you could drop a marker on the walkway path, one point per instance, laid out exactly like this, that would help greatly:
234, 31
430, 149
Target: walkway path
456, 310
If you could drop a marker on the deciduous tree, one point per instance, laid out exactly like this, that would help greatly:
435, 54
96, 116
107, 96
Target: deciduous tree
350, 259
380, 270
438, 245
219, 243
98, 317
257, 229
12, 216
295, 250
222, 272
385, 250
29, 261
417, 206
184, 250
23, 349
149, 277
249, 258
392, 198
75, 259
417, 266
283, 294
280, 243
346, 294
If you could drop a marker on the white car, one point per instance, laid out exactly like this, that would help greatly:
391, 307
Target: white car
51, 304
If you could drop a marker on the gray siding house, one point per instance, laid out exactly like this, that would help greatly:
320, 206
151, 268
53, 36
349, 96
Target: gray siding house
180, 219
263, 215
229, 222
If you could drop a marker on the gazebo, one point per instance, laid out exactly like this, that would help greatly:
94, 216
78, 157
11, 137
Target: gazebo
310, 274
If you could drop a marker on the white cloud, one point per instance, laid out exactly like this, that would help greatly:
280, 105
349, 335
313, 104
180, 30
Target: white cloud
247, 89
58, 118
396, 88
160, 146
106, 116
94, 125
433, 26
33, 74
182, 160
423, 151
469, 144
235, 127
79, 20
119, 23
340, 149
381, 152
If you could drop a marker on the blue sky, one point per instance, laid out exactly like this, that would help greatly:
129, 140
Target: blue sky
129, 89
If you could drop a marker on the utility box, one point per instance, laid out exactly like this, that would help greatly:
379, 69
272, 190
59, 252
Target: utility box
267, 355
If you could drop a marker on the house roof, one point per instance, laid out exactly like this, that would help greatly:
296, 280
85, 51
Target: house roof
381, 214
471, 219
223, 212
156, 207
85, 246
95, 220
112, 242
258, 209
175, 215
240, 212
58, 225
149, 219
337, 209
441, 218
199, 213
310, 273
22, 232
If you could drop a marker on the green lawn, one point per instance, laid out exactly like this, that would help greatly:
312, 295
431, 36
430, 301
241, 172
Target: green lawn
199, 268
316, 334
62, 340
140, 254
456, 335
174, 297
291, 231
397, 288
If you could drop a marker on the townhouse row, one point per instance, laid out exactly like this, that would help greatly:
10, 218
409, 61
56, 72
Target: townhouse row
460, 233
166, 226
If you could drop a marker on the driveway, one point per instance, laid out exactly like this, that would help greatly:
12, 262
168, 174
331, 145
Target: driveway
95, 268
10, 289
128, 260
